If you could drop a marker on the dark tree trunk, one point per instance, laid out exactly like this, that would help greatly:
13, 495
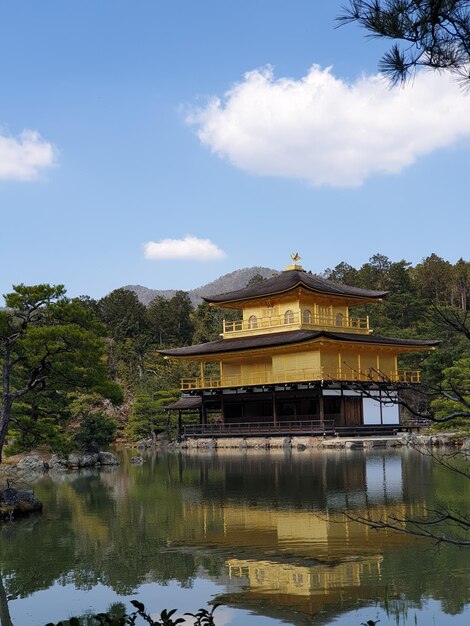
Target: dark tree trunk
7, 400
180, 427
4, 422
168, 418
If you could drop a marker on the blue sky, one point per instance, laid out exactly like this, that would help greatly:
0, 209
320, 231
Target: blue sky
112, 137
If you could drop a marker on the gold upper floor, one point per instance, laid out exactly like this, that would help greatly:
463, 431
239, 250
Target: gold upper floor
291, 319
295, 312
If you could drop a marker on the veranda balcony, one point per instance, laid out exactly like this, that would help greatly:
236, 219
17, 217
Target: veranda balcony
296, 319
299, 376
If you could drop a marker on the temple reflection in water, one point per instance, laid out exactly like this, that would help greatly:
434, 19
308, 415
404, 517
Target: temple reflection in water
282, 533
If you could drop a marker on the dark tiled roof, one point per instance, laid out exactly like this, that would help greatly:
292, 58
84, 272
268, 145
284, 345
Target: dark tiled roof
290, 279
194, 402
287, 338
393, 341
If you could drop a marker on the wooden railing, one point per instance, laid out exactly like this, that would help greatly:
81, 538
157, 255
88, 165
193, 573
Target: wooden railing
314, 427
326, 427
296, 318
299, 376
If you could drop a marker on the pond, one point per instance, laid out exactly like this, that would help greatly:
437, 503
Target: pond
261, 533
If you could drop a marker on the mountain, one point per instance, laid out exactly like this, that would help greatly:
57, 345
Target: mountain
228, 282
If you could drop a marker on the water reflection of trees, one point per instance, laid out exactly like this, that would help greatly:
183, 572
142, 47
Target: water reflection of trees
123, 528
95, 530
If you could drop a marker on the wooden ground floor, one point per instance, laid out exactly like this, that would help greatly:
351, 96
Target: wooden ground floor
292, 409
292, 429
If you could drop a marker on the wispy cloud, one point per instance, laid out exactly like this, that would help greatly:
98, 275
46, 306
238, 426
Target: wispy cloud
25, 156
187, 248
329, 132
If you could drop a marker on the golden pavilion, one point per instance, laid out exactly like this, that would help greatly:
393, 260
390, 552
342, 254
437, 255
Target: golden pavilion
296, 362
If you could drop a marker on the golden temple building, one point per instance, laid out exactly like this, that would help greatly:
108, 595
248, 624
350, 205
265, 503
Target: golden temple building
297, 361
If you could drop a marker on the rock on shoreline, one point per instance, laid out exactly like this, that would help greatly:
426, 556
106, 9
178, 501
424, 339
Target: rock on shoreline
33, 465
14, 502
77, 461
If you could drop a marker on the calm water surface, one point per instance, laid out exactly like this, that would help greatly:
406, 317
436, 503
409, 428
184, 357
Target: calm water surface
261, 533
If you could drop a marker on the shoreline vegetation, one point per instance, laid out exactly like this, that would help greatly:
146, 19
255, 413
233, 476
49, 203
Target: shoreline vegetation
33, 464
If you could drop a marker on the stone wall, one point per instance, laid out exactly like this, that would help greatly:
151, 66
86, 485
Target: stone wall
306, 442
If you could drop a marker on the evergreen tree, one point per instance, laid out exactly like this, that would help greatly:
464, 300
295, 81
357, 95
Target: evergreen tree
454, 403
343, 273
461, 284
148, 416
171, 320
207, 321
126, 320
375, 274
433, 278
181, 315
49, 346
123, 314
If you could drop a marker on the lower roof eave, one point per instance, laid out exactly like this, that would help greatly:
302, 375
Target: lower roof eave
216, 350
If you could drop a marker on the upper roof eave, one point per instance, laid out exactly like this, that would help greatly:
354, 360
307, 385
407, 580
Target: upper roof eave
289, 280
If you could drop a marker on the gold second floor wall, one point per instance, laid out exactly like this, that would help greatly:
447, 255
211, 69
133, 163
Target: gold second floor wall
302, 363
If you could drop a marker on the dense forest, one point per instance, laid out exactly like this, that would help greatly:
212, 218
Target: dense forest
128, 384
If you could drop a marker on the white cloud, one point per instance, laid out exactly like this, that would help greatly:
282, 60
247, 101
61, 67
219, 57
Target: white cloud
187, 248
328, 132
23, 157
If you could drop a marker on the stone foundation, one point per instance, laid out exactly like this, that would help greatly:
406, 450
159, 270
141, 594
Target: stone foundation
305, 442
269, 443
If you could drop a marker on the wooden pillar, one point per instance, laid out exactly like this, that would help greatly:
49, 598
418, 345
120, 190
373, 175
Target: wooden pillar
341, 410
321, 408
222, 409
274, 409
203, 412
201, 372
